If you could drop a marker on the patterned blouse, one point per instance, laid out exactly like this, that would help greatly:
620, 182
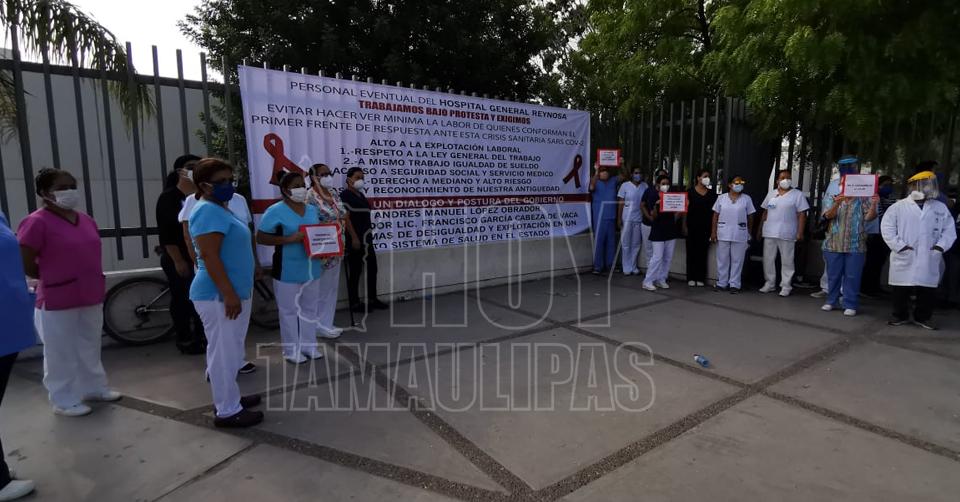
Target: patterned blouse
847, 232
329, 213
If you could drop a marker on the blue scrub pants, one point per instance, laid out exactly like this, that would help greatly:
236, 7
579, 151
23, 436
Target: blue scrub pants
844, 271
605, 245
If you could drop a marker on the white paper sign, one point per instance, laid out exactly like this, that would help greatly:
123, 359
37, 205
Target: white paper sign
673, 202
859, 185
322, 240
608, 157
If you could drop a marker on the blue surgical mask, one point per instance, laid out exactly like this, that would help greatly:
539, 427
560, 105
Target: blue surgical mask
846, 169
738, 188
223, 192
885, 191
637, 178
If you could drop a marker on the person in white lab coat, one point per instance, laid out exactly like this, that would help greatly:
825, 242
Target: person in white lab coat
784, 216
732, 221
630, 197
918, 230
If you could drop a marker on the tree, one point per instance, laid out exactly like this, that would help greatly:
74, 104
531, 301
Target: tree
57, 26
484, 46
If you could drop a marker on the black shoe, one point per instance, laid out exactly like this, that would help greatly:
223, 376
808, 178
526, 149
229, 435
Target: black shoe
719, 289
358, 307
250, 401
734, 291
926, 325
192, 349
897, 322
596, 272
247, 367
377, 304
244, 418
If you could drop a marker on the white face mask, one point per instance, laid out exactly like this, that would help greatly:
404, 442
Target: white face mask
66, 199
786, 183
664, 188
298, 194
188, 174
737, 188
917, 195
835, 175
326, 181
357, 185
705, 181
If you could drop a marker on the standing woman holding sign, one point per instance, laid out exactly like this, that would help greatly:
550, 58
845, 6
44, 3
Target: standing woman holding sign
663, 235
330, 209
295, 275
732, 221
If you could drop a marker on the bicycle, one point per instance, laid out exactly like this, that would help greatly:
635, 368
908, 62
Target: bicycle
137, 311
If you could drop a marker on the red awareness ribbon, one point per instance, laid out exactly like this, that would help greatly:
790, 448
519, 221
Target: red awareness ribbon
274, 146
575, 172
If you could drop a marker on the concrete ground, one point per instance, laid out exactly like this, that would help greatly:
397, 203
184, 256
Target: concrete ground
575, 388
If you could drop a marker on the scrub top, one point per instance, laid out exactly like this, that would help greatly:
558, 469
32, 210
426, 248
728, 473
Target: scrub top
68, 254
236, 251
664, 226
732, 219
16, 309
632, 196
782, 213
290, 261
237, 206
605, 200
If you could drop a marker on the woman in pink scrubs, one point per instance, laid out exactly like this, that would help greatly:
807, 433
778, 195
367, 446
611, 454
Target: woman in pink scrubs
60, 247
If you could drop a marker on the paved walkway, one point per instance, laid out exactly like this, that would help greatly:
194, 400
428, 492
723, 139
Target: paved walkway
539, 392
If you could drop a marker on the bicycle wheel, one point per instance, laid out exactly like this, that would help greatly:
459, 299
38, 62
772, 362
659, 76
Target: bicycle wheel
264, 311
137, 311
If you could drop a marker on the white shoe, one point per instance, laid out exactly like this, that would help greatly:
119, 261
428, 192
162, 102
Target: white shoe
297, 358
785, 292
768, 289
334, 332
649, 287
77, 410
17, 488
849, 312
826, 307
692, 284
104, 396
662, 285
700, 284
311, 352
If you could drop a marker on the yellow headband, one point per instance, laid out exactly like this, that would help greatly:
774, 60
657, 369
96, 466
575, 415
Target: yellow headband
922, 175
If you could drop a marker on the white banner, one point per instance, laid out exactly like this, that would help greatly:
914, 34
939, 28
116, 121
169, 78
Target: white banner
440, 169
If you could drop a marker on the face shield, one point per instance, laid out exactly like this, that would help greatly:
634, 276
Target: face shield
848, 165
923, 186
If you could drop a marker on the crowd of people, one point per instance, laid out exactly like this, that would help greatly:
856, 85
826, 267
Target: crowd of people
859, 235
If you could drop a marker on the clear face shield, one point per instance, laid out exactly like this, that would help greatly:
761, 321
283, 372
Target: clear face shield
924, 189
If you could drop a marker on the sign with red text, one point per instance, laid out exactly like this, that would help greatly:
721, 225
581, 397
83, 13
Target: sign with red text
440, 169
673, 202
323, 240
859, 185
608, 157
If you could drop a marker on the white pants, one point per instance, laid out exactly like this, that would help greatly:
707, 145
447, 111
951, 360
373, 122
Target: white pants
659, 267
297, 305
329, 283
631, 237
225, 352
730, 257
646, 245
71, 353
770, 249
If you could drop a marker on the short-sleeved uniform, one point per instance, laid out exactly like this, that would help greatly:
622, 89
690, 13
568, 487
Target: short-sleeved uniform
290, 261
732, 217
782, 210
632, 195
236, 252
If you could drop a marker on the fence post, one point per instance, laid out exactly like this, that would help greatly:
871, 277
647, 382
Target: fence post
206, 101
81, 127
21, 105
183, 103
137, 158
111, 160
228, 120
48, 90
156, 91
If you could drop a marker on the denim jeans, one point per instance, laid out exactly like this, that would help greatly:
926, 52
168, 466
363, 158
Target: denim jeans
844, 269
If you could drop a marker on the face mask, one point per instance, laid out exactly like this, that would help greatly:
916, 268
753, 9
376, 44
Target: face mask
298, 195
357, 185
188, 174
849, 169
705, 181
885, 191
835, 175
664, 188
637, 178
738, 188
326, 181
786, 183
917, 195
66, 199
223, 192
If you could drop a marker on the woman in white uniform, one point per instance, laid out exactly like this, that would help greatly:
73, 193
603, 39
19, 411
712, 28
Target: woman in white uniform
784, 217
630, 197
918, 230
732, 221
330, 209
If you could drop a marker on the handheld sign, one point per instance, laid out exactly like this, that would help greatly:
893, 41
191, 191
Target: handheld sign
673, 202
858, 185
323, 240
608, 157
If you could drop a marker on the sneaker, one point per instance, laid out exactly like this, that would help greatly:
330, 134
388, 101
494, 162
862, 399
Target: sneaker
311, 352
734, 291
720, 289
785, 292
243, 418
17, 488
818, 294
662, 285
768, 289
77, 410
649, 287
334, 332
692, 284
897, 322
826, 307
596, 272
247, 368
926, 325
105, 396
849, 312
296, 358
700, 284
250, 401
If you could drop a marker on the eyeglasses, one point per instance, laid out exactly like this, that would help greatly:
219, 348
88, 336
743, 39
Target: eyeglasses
232, 181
